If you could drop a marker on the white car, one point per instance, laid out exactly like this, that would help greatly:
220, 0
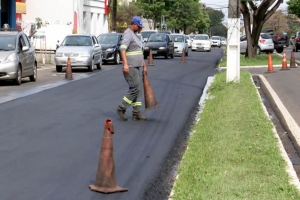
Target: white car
189, 41
223, 41
216, 41
201, 42
265, 44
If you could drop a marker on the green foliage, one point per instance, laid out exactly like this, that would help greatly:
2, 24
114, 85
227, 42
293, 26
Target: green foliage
39, 22
293, 7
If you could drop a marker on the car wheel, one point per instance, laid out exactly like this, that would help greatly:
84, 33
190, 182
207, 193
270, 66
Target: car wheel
18, 79
280, 50
166, 55
145, 56
58, 68
258, 51
117, 58
104, 62
91, 67
172, 55
187, 53
33, 77
99, 65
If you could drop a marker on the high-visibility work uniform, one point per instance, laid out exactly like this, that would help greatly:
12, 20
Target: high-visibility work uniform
134, 54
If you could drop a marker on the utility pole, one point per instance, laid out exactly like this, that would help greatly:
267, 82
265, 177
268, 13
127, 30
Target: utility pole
233, 47
114, 14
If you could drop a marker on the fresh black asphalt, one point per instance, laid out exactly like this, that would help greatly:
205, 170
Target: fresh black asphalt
50, 141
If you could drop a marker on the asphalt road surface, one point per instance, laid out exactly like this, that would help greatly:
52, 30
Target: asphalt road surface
51, 130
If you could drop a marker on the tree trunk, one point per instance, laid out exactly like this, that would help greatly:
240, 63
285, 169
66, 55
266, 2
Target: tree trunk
114, 15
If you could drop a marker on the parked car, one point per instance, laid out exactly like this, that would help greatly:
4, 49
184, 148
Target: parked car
292, 40
265, 44
189, 41
83, 50
17, 57
223, 41
215, 41
180, 44
296, 42
201, 42
167, 32
146, 34
160, 44
110, 44
280, 40
141, 40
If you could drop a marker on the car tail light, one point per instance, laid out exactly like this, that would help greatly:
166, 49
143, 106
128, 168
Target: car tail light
297, 39
278, 37
262, 41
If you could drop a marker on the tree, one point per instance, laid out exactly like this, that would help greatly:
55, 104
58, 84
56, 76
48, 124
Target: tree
187, 13
216, 27
153, 9
260, 13
293, 7
39, 22
125, 13
278, 22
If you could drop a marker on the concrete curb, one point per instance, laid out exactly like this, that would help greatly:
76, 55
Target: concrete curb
288, 123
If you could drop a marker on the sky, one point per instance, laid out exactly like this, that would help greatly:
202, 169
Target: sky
223, 5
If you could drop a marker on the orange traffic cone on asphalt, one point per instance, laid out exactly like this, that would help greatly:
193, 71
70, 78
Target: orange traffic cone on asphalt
150, 58
293, 61
270, 64
183, 57
284, 63
106, 178
69, 74
150, 100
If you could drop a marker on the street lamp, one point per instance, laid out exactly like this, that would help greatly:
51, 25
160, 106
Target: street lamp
150, 22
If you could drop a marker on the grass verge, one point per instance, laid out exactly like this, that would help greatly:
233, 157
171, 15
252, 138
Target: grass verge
259, 60
233, 153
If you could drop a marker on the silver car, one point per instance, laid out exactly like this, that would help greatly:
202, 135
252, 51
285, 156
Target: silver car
265, 44
83, 51
180, 44
17, 57
141, 40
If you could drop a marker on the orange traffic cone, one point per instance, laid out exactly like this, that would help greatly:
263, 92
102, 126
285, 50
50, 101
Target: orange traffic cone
183, 57
69, 74
150, 100
292, 61
106, 178
270, 65
150, 58
284, 64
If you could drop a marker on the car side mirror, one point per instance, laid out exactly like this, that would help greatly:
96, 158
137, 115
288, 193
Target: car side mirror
25, 48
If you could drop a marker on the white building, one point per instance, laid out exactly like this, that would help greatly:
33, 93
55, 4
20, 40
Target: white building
84, 16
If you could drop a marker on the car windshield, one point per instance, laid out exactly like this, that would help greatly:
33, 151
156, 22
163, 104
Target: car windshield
7, 42
157, 38
215, 38
201, 37
223, 39
108, 39
140, 37
77, 41
147, 34
192, 36
177, 38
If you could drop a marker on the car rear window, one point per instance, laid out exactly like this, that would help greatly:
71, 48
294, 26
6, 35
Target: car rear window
215, 38
265, 36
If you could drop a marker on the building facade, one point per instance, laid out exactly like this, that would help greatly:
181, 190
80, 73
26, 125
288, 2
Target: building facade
86, 16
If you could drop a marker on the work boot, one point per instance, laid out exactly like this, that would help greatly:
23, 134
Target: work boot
121, 113
137, 116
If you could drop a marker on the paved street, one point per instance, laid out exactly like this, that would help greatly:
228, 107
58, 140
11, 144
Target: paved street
50, 141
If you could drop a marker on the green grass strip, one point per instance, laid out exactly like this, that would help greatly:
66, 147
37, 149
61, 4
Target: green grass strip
233, 153
259, 60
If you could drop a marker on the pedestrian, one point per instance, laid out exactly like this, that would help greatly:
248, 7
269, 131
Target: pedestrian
133, 60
